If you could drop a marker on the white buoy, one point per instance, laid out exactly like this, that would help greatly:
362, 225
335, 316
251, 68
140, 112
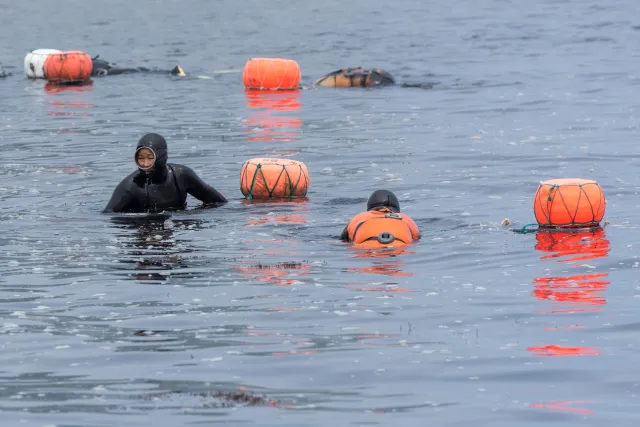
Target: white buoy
34, 62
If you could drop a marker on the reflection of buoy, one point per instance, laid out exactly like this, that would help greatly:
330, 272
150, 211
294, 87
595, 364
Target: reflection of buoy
559, 350
273, 178
68, 67
570, 202
276, 273
576, 246
34, 62
582, 291
265, 121
53, 88
271, 73
284, 100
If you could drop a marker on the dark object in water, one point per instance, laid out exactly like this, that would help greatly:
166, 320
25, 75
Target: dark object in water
360, 77
105, 68
356, 77
218, 399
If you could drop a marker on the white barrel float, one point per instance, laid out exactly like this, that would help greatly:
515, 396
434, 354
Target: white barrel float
34, 62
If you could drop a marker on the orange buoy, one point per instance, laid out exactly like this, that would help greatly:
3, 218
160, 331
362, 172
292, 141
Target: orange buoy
68, 67
271, 73
570, 202
273, 178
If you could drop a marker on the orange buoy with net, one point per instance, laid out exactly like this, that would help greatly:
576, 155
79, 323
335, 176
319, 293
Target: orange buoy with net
570, 202
271, 74
273, 178
68, 67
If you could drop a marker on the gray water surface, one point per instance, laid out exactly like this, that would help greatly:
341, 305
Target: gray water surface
105, 322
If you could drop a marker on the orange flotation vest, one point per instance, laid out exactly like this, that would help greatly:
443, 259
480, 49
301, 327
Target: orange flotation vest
381, 228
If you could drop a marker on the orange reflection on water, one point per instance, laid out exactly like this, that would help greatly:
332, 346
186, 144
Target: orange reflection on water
579, 290
277, 274
297, 219
52, 88
299, 207
559, 350
562, 406
391, 289
385, 264
68, 98
574, 293
390, 252
579, 246
264, 122
392, 268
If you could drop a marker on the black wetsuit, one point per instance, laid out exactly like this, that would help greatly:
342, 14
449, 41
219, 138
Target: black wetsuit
3, 73
104, 68
165, 188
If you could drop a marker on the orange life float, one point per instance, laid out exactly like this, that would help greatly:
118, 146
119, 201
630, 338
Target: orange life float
68, 67
570, 202
271, 73
381, 229
265, 178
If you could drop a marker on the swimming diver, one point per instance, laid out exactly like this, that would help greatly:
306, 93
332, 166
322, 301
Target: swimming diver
158, 185
3, 73
104, 68
360, 77
382, 224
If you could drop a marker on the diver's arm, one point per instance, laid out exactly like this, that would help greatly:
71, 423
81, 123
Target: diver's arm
345, 234
120, 199
199, 189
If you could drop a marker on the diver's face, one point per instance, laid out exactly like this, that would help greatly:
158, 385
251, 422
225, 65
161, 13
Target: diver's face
145, 159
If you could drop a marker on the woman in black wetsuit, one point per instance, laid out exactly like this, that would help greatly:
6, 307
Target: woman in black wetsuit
158, 185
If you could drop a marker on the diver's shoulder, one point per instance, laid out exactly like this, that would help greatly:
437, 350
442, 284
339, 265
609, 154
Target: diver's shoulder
180, 169
129, 178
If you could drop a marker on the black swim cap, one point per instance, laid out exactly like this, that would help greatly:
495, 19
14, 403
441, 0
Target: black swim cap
383, 198
159, 146
100, 67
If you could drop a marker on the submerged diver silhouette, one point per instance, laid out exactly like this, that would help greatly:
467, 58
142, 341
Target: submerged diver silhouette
105, 68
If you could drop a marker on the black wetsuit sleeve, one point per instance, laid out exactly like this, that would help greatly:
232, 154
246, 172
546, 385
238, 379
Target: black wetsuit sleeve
345, 234
120, 199
199, 189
